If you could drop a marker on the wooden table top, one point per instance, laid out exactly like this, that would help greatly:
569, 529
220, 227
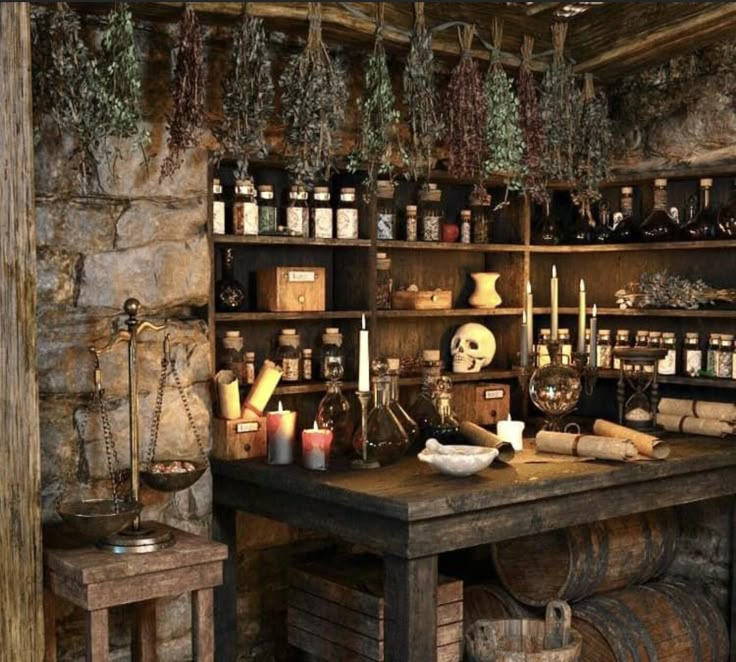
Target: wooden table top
412, 491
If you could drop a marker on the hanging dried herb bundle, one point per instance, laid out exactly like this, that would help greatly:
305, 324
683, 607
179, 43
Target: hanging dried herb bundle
465, 113
187, 92
665, 290
379, 118
313, 98
248, 94
420, 99
559, 106
532, 128
504, 141
593, 145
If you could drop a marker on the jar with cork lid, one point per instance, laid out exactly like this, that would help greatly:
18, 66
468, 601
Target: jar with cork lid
623, 341
411, 227
288, 355
692, 355
297, 212
724, 362
322, 221
430, 202
347, 215
385, 211
331, 353
267, 213
605, 349
668, 365
232, 355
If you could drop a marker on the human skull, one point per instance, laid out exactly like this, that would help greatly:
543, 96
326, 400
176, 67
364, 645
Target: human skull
473, 348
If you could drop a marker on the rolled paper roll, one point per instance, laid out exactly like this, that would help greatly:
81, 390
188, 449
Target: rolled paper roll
586, 445
228, 394
264, 386
646, 444
708, 427
478, 436
719, 411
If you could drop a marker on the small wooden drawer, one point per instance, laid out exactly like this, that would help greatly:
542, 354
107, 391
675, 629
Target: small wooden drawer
484, 404
421, 300
291, 289
241, 438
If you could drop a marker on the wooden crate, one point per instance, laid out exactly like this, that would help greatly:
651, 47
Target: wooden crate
336, 611
240, 438
291, 289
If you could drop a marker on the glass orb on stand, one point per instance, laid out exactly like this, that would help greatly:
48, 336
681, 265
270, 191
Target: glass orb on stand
555, 389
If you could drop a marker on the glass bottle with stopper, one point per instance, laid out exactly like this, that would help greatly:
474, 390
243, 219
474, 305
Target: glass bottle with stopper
444, 426
727, 217
334, 412
625, 225
602, 233
659, 225
422, 410
703, 226
229, 293
407, 422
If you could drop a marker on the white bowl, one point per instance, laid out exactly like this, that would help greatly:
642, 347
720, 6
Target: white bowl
457, 460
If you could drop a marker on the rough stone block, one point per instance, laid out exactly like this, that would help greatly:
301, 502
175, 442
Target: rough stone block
147, 221
82, 225
57, 273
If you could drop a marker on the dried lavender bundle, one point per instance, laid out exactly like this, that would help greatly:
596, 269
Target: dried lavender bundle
504, 141
313, 98
187, 90
420, 99
559, 105
532, 128
466, 108
248, 94
665, 290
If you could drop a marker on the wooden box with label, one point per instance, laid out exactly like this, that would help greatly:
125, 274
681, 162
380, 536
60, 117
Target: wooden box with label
240, 438
484, 404
291, 289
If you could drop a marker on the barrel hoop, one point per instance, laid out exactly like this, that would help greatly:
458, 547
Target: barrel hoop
671, 528
679, 602
591, 571
617, 614
646, 564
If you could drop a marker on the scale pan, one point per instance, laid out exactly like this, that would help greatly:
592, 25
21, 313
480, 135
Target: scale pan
98, 518
162, 476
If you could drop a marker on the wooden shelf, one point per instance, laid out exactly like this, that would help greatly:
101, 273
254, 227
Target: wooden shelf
453, 312
296, 316
446, 246
238, 240
706, 382
316, 386
637, 247
648, 312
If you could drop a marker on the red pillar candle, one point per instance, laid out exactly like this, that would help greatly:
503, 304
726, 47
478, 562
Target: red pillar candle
316, 448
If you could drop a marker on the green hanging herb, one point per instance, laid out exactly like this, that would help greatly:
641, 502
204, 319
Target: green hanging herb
593, 146
313, 98
420, 100
465, 113
532, 128
504, 141
379, 118
559, 103
248, 94
187, 91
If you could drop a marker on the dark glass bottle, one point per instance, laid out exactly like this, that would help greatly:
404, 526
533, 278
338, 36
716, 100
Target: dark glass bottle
659, 225
334, 413
582, 227
422, 410
602, 233
703, 226
727, 217
444, 426
229, 293
546, 227
625, 227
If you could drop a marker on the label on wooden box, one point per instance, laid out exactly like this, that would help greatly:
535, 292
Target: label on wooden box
291, 289
483, 404
241, 438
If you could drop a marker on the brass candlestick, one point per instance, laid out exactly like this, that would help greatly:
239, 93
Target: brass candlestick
364, 397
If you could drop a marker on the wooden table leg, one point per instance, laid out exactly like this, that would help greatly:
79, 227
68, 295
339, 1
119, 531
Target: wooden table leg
226, 595
144, 646
49, 624
410, 588
732, 623
98, 646
203, 627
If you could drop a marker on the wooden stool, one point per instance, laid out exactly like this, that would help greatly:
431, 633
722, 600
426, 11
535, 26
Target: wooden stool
96, 581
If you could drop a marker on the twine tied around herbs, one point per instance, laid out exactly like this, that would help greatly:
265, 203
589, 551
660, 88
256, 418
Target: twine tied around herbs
496, 40
559, 34
465, 36
380, 14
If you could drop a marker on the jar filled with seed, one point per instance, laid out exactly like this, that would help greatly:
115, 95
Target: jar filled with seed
623, 341
430, 203
267, 214
714, 345
692, 355
297, 212
412, 225
605, 350
481, 217
347, 215
725, 357
288, 355
245, 208
322, 221
384, 283
465, 226
385, 211
668, 365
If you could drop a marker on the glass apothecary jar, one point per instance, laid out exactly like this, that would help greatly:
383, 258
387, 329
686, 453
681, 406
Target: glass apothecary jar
481, 217
232, 355
626, 223
267, 212
692, 355
385, 211
703, 226
331, 353
659, 225
384, 283
347, 215
245, 209
407, 422
545, 225
297, 212
322, 218
288, 355
411, 225
430, 213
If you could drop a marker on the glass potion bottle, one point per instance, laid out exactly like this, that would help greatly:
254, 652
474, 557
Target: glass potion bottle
229, 293
546, 227
703, 226
602, 233
659, 225
407, 422
422, 410
727, 217
334, 412
626, 224
444, 426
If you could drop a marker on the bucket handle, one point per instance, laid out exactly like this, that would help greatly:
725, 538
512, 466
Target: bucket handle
557, 622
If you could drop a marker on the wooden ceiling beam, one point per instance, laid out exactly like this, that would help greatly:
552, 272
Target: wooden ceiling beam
541, 7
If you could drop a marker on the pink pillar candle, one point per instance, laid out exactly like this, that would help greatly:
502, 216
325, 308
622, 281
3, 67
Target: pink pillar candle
316, 448
281, 432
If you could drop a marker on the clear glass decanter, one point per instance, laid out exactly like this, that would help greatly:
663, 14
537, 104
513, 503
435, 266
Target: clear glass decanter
407, 422
334, 413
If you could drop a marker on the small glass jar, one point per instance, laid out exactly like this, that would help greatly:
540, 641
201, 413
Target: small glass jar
322, 220
623, 341
714, 345
245, 209
481, 217
412, 225
384, 283
668, 365
692, 355
642, 338
307, 364
267, 213
465, 226
605, 350
232, 355
288, 355
725, 357
218, 208
430, 201
655, 340
385, 211
332, 352
347, 215
297, 212
542, 349
250, 368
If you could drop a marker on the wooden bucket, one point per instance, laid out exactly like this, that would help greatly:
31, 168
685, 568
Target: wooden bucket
523, 640
491, 602
574, 563
653, 623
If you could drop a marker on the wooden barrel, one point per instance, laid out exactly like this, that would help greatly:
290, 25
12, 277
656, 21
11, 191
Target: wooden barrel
663, 621
574, 563
491, 602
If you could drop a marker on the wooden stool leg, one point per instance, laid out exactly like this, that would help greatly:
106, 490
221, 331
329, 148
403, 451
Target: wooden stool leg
144, 643
203, 629
49, 625
98, 647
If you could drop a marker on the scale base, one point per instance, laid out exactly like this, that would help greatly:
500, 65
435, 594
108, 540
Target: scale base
148, 537
360, 464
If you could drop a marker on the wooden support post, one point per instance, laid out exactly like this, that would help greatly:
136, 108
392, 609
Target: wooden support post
203, 630
410, 589
144, 646
49, 625
226, 595
732, 623
98, 644
21, 589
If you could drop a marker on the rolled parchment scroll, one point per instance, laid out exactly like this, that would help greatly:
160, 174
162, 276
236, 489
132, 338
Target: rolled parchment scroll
646, 444
588, 445
478, 436
708, 427
719, 411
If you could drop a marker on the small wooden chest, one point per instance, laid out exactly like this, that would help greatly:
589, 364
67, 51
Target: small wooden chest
241, 438
484, 404
291, 289
336, 611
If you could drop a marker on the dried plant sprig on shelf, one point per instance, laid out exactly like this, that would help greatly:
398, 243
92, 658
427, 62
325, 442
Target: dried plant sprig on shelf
313, 98
248, 94
187, 91
420, 100
379, 117
559, 107
504, 141
665, 290
466, 108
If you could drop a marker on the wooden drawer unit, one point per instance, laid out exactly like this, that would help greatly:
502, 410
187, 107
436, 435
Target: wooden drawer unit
241, 438
291, 289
